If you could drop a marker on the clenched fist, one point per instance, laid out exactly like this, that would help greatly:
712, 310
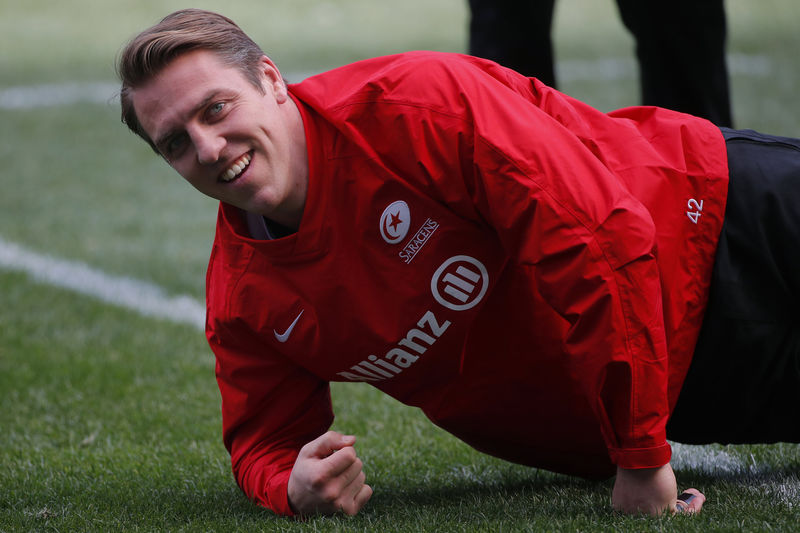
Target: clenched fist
328, 477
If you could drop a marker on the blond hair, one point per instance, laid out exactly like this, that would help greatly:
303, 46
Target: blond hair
178, 33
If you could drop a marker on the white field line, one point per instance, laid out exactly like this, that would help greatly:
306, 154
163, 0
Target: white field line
622, 68
786, 493
58, 94
708, 460
713, 461
139, 296
607, 69
716, 462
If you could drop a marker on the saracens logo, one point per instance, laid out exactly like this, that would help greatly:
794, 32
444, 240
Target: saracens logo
395, 222
460, 283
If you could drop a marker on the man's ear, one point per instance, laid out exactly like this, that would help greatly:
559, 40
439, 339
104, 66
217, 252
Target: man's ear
272, 79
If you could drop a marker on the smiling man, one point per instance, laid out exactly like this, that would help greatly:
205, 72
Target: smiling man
240, 143
531, 273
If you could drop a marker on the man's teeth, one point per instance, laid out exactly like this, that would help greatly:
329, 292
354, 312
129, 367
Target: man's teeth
236, 168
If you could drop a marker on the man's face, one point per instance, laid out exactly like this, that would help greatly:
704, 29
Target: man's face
227, 138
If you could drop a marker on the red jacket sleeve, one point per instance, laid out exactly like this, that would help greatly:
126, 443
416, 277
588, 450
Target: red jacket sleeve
270, 407
592, 248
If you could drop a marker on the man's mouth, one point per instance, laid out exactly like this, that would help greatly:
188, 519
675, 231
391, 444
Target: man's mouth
236, 169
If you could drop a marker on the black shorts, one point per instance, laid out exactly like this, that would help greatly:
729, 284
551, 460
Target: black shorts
743, 385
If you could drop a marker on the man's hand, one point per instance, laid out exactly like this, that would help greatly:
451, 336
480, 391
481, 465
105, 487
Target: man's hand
652, 491
328, 477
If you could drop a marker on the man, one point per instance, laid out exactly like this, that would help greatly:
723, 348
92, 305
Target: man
528, 271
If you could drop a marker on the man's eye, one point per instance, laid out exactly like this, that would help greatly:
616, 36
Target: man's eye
174, 145
216, 109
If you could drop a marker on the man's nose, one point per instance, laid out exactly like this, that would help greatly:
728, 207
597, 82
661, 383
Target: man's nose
208, 145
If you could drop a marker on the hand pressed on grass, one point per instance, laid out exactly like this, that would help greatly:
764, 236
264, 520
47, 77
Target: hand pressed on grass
651, 491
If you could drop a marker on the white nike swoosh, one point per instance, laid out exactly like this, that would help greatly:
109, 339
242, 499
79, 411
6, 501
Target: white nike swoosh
283, 337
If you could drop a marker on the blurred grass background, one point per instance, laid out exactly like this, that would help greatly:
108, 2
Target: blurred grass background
110, 421
46, 41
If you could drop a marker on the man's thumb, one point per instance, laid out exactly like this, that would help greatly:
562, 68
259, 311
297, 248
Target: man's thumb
329, 442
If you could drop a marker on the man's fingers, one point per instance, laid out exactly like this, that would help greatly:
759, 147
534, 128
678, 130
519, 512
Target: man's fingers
351, 487
336, 473
354, 501
690, 501
352, 471
328, 477
339, 462
326, 444
361, 499
363, 496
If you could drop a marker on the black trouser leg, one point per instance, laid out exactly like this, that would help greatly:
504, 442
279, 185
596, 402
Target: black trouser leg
516, 34
744, 381
680, 46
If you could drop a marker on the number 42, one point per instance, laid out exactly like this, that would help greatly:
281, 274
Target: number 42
695, 210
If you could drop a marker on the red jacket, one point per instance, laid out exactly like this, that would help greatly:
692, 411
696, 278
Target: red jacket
528, 271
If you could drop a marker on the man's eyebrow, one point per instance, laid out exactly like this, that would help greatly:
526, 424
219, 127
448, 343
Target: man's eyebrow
192, 112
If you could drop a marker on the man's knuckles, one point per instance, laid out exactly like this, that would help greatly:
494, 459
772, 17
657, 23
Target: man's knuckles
327, 488
356, 464
319, 481
330, 494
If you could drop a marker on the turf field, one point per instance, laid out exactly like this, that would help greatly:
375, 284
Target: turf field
109, 413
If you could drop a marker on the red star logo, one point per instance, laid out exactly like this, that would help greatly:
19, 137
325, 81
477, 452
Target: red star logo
395, 221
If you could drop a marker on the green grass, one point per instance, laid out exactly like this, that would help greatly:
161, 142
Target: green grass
79, 185
109, 421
